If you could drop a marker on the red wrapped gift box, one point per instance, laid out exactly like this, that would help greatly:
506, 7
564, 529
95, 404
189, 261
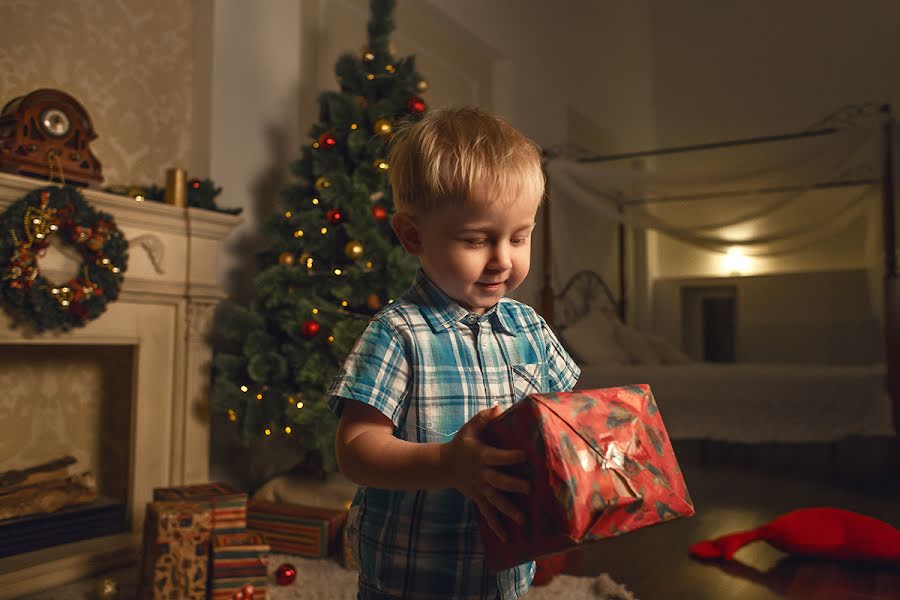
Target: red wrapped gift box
600, 464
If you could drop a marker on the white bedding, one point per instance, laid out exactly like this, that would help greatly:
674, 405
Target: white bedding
757, 403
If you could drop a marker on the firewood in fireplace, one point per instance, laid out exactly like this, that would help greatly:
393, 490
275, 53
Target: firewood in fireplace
53, 469
48, 496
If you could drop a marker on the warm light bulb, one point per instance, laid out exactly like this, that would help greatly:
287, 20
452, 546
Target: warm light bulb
288, 429
299, 405
330, 338
287, 214
315, 200
353, 126
735, 261
268, 431
315, 311
337, 271
344, 303
298, 233
259, 396
324, 230
244, 388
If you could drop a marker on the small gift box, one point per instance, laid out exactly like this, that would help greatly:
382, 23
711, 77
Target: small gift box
175, 551
238, 559
228, 505
600, 464
314, 532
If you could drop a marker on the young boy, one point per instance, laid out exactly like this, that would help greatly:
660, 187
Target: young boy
437, 364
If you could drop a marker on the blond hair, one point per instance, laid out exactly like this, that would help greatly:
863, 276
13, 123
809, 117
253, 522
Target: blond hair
445, 155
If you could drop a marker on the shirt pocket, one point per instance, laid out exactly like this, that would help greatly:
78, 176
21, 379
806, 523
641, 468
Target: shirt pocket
527, 379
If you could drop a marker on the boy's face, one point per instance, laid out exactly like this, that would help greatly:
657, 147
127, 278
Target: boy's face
476, 253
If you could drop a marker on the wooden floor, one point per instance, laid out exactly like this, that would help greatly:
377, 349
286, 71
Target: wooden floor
654, 564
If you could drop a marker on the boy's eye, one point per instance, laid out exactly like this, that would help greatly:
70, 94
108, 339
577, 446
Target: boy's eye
475, 242
519, 241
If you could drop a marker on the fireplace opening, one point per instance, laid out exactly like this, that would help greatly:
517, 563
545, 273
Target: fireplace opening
66, 451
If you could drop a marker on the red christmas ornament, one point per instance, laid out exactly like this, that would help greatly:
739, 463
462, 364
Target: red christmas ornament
334, 216
326, 140
285, 574
379, 212
309, 328
416, 105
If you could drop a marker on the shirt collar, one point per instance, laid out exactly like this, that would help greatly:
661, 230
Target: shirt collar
442, 312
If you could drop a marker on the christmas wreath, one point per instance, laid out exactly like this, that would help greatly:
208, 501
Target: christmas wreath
26, 228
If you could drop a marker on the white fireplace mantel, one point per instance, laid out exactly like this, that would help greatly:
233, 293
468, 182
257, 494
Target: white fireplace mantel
165, 310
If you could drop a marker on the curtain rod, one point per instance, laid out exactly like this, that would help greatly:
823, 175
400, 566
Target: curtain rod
757, 192
711, 145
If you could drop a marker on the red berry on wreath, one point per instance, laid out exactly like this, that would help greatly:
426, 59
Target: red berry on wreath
379, 212
416, 105
334, 216
309, 328
326, 140
285, 574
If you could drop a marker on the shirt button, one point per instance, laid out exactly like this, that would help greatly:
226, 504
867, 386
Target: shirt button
471, 319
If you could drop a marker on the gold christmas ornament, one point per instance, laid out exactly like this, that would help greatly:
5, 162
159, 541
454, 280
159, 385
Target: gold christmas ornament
285, 258
354, 250
107, 589
384, 128
322, 183
373, 301
422, 85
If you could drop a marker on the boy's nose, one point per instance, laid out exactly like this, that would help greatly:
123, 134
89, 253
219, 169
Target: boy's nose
500, 257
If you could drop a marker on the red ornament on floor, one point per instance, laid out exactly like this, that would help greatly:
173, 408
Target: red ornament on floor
285, 574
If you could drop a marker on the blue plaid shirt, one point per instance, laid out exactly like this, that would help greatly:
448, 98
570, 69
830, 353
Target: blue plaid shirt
430, 365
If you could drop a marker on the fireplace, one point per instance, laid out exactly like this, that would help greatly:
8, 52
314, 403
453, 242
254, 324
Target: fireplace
158, 326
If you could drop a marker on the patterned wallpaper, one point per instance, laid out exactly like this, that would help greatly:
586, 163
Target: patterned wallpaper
128, 62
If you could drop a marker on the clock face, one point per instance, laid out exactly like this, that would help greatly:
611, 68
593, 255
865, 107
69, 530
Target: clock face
55, 122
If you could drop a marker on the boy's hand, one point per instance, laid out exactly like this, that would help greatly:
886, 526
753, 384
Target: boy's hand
471, 463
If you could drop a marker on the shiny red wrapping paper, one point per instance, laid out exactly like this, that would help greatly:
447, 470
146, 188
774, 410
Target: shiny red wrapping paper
600, 464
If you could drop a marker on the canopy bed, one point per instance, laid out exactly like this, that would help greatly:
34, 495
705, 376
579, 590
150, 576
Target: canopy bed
774, 196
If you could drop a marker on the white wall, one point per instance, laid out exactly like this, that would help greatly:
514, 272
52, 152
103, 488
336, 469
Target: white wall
257, 98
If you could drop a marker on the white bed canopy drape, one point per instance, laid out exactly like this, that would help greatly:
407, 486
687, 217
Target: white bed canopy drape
768, 199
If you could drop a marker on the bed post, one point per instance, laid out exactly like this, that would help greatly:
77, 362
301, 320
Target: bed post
891, 282
547, 287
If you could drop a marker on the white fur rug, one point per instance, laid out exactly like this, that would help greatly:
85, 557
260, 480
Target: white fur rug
327, 580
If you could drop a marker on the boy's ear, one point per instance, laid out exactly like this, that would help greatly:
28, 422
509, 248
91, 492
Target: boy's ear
407, 232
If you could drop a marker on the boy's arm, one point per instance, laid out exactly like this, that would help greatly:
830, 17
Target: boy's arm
370, 455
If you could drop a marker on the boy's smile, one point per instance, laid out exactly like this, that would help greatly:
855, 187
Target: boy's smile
477, 251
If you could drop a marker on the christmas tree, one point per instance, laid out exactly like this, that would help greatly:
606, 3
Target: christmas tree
333, 261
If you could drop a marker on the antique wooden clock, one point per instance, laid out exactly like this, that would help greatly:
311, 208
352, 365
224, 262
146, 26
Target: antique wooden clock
44, 131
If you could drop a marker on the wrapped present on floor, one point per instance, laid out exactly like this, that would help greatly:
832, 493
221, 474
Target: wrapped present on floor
228, 505
600, 464
238, 559
175, 551
309, 531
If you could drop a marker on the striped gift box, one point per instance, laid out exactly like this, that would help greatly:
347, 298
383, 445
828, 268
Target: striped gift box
308, 531
228, 505
238, 559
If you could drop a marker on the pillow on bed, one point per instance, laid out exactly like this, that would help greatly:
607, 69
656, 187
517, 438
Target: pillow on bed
600, 338
668, 354
592, 340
